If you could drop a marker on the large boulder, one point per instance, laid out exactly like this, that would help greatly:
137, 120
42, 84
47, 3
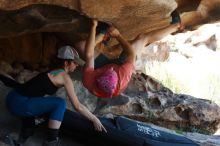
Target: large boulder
147, 100
44, 15
22, 23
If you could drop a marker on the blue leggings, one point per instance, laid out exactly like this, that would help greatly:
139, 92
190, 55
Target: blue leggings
30, 107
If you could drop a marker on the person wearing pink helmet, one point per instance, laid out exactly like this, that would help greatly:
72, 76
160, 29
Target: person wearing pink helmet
111, 79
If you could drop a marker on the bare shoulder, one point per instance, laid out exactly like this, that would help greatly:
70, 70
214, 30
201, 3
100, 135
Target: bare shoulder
65, 76
67, 79
58, 79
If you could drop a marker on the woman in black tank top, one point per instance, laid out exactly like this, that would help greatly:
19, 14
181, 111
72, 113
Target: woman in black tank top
28, 100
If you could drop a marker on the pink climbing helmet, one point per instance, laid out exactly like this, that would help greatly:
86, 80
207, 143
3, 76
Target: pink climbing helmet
108, 82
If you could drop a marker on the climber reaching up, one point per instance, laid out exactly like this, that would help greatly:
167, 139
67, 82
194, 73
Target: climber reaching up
110, 80
107, 78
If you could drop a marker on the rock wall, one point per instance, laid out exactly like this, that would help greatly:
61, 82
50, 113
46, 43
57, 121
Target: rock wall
33, 50
145, 15
124, 14
22, 22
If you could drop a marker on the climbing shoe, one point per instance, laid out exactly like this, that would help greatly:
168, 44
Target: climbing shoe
56, 142
175, 17
102, 28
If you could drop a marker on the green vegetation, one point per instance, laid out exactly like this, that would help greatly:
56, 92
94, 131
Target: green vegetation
181, 130
188, 77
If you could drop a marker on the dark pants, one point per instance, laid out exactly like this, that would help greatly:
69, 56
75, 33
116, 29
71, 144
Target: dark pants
102, 60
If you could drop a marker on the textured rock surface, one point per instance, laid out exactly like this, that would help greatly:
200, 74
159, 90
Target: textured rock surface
30, 16
125, 14
22, 22
206, 11
147, 100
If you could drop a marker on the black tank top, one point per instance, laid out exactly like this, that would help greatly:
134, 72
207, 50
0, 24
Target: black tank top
37, 86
